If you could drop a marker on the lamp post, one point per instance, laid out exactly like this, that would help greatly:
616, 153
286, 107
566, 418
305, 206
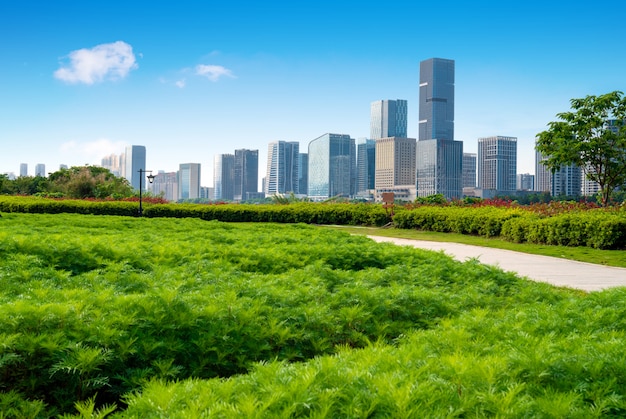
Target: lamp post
142, 172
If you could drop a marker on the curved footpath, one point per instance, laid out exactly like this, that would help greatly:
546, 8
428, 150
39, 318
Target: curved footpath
555, 271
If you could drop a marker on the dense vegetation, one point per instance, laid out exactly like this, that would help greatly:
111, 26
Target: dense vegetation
183, 317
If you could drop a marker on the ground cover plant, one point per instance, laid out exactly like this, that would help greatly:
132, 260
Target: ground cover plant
183, 317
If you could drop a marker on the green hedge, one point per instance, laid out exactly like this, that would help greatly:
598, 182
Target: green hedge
599, 228
309, 213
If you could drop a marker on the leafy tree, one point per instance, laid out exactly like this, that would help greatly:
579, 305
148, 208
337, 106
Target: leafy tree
89, 182
592, 136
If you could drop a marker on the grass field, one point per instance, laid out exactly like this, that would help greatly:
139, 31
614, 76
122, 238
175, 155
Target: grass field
134, 318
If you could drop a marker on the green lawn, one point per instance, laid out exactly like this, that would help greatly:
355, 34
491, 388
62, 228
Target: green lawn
582, 254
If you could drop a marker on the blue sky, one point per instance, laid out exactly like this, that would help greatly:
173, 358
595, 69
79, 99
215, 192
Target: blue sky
190, 79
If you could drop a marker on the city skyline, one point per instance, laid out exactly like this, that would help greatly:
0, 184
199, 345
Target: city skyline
196, 80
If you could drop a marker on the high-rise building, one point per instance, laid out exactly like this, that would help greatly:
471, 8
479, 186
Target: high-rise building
224, 177
365, 165
395, 167
282, 168
436, 105
543, 176
114, 162
388, 118
525, 182
166, 185
469, 170
246, 174
567, 181
497, 165
439, 156
40, 170
135, 158
23, 169
189, 181
332, 166
439, 168
303, 173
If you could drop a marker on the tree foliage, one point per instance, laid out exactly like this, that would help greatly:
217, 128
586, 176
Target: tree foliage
592, 136
89, 182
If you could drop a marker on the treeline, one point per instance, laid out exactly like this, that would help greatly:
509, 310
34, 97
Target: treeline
76, 182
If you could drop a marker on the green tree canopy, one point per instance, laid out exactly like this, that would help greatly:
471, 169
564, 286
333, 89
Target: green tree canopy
89, 182
592, 136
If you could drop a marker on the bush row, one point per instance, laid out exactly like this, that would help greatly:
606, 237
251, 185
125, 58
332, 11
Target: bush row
594, 228
309, 213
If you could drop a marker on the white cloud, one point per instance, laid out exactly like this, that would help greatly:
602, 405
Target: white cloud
180, 83
91, 152
213, 72
102, 62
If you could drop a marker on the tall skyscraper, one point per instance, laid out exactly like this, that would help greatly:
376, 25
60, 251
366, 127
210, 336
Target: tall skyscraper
246, 174
135, 158
23, 169
365, 165
469, 170
543, 177
40, 170
388, 118
332, 166
189, 181
303, 173
395, 166
436, 105
497, 165
439, 156
282, 168
224, 177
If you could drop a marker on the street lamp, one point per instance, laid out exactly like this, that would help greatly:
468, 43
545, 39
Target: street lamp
150, 179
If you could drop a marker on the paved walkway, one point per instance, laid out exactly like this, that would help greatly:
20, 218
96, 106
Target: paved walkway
555, 271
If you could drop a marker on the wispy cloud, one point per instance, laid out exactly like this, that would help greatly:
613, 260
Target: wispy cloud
92, 152
180, 83
102, 62
213, 72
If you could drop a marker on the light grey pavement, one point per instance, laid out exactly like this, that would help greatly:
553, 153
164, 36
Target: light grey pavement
559, 272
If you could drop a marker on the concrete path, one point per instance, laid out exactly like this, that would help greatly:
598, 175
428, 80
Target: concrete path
555, 271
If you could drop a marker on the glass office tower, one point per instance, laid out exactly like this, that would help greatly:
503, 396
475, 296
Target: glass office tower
135, 158
497, 164
436, 105
388, 118
282, 168
332, 167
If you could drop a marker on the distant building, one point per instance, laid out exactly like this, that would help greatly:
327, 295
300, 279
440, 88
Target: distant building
135, 160
23, 169
497, 165
246, 174
165, 184
388, 118
332, 167
282, 168
469, 170
189, 181
40, 170
525, 182
224, 177
365, 165
439, 156
395, 166
303, 173
543, 177
115, 163
439, 168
